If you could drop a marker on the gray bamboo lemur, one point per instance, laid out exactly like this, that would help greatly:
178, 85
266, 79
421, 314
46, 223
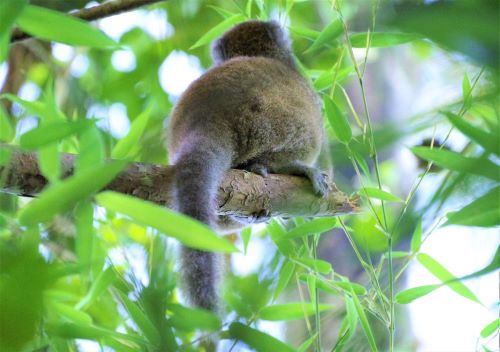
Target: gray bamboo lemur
252, 111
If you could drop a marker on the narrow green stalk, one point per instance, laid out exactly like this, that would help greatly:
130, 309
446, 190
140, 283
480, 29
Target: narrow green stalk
316, 299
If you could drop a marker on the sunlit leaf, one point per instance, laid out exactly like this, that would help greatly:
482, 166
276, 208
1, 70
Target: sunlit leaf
489, 141
6, 130
466, 91
190, 232
70, 313
141, 319
416, 239
338, 120
457, 162
62, 196
101, 284
193, 318
291, 311
304, 32
364, 322
285, 275
257, 340
87, 331
216, 31
60, 27
319, 225
379, 194
411, 294
36, 108
128, 145
316, 264
382, 39
484, 211
327, 36
9, 11
489, 329
49, 162
51, 132
84, 221
444, 275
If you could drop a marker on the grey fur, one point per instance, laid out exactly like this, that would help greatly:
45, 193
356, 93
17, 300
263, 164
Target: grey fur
252, 111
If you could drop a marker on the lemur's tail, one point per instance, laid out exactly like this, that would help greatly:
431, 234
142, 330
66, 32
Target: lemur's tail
199, 169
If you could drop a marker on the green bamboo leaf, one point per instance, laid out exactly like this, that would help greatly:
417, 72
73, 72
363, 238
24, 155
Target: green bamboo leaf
84, 221
188, 231
36, 108
444, 275
128, 146
345, 286
364, 322
9, 11
50, 166
60, 27
290, 311
91, 149
382, 39
411, 294
246, 233
5, 155
331, 32
325, 80
51, 132
457, 162
257, 340
4, 46
6, 130
193, 318
70, 313
306, 345
141, 319
416, 239
285, 276
312, 287
466, 88
88, 331
65, 194
277, 234
319, 225
100, 285
304, 32
221, 11
466, 91
489, 141
318, 265
348, 326
484, 211
338, 120
216, 31
379, 194
489, 329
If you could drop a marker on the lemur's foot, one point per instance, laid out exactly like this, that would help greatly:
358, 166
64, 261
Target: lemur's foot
258, 169
319, 180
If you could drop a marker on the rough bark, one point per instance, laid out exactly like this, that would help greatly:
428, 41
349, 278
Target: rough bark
241, 193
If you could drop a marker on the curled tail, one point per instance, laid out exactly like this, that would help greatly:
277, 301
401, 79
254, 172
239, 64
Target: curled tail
199, 169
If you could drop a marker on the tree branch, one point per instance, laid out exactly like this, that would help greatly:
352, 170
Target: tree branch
107, 9
241, 193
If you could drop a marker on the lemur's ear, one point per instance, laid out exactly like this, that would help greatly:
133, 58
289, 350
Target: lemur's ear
218, 52
278, 34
